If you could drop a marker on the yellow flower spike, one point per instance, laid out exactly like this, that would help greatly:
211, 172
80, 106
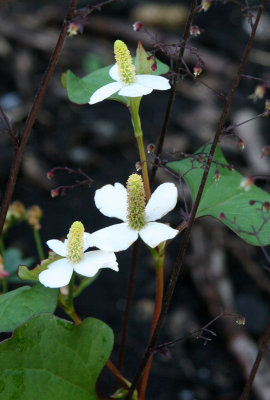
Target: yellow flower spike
136, 202
75, 242
126, 69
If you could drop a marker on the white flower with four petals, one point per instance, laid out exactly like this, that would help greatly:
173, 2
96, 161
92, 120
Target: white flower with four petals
112, 201
59, 272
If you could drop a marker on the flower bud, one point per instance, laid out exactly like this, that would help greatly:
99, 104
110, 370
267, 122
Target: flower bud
138, 166
194, 31
197, 70
221, 216
266, 206
241, 144
205, 5
50, 174
33, 216
265, 151
54, 193
151, 148
258, 93
267, 108
246, 183
137, 26
217, 176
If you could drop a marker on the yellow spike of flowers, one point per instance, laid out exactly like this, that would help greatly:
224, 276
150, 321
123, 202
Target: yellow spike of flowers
75, 242
136, 202
126, 69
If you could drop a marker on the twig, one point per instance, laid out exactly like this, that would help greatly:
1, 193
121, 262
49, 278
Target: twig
128, 305
179, 261
263, 348
173, 90
32, 115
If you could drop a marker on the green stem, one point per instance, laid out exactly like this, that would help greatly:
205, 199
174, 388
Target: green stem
136, 122
159, 257
83, 284
38, 244
67, 306
2, 251
70, 292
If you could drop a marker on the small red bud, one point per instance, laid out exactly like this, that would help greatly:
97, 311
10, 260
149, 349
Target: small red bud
221, 216
54, 193
154, 66
137, 26
252, 202
138, 166
241, 144
266, 206
151, 148
267, 108
194, 31
197, 71
230, 167
265, 151
50, 174
217, 176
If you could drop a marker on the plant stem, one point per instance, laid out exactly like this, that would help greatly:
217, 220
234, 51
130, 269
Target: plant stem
128, 305
38, 244
70, 292
159, 262
263, 348
32, 115
2, 252
136, 122
180, 257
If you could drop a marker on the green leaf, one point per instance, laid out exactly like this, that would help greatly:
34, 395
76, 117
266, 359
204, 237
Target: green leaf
26, 274
227, 197
48, 358
21, 304
13, 257
80, 90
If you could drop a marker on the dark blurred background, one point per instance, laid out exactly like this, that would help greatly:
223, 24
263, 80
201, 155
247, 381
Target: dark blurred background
220, 271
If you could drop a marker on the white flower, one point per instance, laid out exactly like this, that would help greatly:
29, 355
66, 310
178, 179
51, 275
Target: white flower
72, 249
112, 201
127, 83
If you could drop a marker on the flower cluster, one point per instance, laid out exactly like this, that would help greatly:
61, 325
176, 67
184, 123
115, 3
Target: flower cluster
139, 220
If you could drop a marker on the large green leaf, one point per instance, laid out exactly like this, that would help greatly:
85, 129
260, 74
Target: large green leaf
80, 90
49, 359
227, 199
21, 304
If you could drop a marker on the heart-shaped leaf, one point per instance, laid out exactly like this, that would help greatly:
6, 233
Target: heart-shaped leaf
49, 358
21, 304
228, 196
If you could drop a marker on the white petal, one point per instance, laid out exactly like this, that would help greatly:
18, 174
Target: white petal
155, 232
114, 238
162, 201
58, 247
134, 90
114, 73
112, 201
105, 91
94, 260
86, 240
154, 82
57, 275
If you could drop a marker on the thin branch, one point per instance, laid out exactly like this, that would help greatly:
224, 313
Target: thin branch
32, 114
263, 348
179, 261
173, 90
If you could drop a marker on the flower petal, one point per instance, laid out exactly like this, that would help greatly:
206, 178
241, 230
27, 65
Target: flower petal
114, 73
94, 260
105, 91
154, 82
58, 247
112, 201
86, 240
134, 90
114, 238
162, 201
57, 275
155, 232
